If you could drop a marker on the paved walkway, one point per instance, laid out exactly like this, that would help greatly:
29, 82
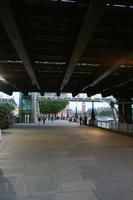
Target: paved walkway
65, 161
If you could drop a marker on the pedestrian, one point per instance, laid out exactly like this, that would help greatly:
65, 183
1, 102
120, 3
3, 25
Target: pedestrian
44, 118
80, 120
39, 119
70, 118
52, 118
85, 120
49, 117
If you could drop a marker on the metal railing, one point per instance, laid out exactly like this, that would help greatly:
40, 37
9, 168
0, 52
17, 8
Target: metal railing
116, 126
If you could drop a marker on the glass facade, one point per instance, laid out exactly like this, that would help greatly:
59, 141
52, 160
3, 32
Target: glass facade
27, 108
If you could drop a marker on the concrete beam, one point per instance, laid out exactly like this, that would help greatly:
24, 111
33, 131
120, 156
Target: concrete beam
116, 89
125, 110
3, 79
6, 87
7, 92
73, 99
8, 20
90, 22
58, 94
121, 61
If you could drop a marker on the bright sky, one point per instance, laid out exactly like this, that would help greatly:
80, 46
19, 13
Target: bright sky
73, 105
15, 95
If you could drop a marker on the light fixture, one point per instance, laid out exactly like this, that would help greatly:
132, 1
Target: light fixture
3, 80
92, 98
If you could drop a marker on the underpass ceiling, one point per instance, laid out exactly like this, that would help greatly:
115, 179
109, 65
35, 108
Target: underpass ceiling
49, 46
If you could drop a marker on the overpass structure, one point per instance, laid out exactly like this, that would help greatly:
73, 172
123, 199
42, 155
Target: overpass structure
78, 46
66, 46
73, 99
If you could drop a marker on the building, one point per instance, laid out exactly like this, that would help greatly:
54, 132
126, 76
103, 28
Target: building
83, 107
9, 100
28, 108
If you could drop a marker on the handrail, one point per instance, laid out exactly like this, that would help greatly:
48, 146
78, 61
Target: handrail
115, 126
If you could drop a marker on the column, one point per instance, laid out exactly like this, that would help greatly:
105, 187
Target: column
125, 110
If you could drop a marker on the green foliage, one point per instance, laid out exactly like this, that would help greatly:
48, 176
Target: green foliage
54, 107
90, 111
6, 108
105, 113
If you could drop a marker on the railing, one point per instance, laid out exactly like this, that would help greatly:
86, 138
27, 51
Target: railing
116, 126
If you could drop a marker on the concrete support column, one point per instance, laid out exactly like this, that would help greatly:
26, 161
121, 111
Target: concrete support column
125, 110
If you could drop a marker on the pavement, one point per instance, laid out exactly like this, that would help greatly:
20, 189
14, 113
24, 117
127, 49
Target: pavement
65, 161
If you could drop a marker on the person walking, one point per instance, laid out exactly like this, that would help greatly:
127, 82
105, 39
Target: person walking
52, 118
49, 117
44, 119
80, 120
39, 119
85, 120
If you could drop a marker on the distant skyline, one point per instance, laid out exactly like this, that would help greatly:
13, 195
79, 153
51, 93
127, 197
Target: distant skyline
72, 105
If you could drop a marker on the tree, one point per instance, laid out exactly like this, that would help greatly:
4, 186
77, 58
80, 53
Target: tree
6, 108
90, 111
52, 107
107, 112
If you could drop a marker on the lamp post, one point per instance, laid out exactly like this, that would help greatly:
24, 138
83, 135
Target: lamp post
92, 112
76, 114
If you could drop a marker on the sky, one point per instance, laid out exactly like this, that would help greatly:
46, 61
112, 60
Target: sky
15, 95
72, 105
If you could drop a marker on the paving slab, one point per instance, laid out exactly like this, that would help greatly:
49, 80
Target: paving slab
69, 186
65, 161
76, 196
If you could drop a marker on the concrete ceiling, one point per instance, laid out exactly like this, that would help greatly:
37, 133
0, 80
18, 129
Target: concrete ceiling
67, 46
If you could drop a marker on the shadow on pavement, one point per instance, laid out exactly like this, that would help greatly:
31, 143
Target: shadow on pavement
7, 191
